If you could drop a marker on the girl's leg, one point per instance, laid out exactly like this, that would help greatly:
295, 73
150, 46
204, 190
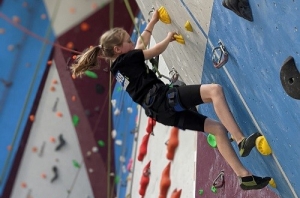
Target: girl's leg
224, 146
213, 93
247, 180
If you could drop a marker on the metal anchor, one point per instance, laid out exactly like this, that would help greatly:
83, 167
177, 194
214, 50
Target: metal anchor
220, 55
219, 181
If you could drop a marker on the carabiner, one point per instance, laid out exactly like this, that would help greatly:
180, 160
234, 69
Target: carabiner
219, 59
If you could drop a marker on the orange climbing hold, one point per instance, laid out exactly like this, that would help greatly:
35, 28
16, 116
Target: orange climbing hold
16, 19
49, 62
31, 118
52, 139
52, 88
70, 45
23, 185
54, 81
145, 179
94, 6
176, 193
72, 10
9, 147
143, 147
43, 175
84, 26
165, 181
43, 16
59, 114
34, 149
173, 143
73, 98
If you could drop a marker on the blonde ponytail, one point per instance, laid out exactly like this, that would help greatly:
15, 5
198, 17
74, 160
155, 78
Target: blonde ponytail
88, 60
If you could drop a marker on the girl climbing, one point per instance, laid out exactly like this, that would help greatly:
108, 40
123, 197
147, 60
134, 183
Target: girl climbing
170, 105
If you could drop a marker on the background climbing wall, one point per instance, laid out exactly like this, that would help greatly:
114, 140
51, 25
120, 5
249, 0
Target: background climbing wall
21, 73
70, 21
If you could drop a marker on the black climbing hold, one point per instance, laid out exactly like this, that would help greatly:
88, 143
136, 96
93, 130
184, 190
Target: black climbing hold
62, 142
5, 82
290, 78
55, 172
87, 112
240, 7
99, 89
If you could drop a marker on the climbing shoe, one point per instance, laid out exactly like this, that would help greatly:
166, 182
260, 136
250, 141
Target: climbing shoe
253, 182
246, 145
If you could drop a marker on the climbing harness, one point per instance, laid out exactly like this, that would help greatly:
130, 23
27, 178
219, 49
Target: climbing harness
219, 55
149, 101
174, 101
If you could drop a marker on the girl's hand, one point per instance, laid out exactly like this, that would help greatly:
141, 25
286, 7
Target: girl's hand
155, 16
171, 36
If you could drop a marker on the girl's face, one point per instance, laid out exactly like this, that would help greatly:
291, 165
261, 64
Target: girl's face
127, 44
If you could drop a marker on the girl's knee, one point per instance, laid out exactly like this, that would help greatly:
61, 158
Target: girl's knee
216, 90
220, 129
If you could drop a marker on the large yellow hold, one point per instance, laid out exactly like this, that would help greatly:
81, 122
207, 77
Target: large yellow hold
262, 146
163, 15
179, 38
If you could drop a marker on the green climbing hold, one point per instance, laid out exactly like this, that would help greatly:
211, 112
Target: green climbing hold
101, 143
119, 89
75, 120
90, 74
200, 192
213, 189
211, 139
117, 179
76, 164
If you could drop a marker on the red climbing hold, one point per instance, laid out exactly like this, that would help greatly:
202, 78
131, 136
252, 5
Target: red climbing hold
165, 181
145, 179
143, 147
173, 143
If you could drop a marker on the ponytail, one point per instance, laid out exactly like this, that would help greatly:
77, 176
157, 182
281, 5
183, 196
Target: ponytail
88, 60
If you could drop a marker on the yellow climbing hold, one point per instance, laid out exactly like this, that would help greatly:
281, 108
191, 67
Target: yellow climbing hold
188, 26
163, 15
263, 146
272, 183
179, 38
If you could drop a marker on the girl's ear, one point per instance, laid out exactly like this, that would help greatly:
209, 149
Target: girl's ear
117, 49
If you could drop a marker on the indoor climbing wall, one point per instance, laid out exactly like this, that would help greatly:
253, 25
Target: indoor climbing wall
251, 77
21, 73
63, 146
187, 58
163, 158
251, 80
125, 127
52, 162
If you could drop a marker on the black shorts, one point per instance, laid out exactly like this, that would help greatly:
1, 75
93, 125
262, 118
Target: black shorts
189, 97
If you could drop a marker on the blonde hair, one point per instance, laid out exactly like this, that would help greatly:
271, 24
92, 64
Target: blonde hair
88, 60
